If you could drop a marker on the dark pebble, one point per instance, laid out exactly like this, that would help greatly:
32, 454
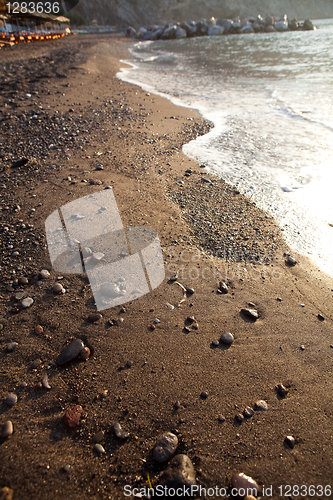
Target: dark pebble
98, 437
227, 338
291, 261
290, 441
320, 317
11, 347
93, 318
204, 395
36, 363
248, 412
179, 473
70, 352
11, 399
239, 417
281, 390
223, 287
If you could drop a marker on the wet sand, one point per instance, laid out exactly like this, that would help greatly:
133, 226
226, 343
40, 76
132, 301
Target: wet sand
81, 123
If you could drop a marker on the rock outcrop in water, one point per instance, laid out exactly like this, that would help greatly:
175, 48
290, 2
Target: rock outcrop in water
217, 27
148, 12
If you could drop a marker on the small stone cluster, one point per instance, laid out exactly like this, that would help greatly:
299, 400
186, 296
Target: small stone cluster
215, 27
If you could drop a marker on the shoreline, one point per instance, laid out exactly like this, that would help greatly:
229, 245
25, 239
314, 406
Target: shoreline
140, 137
124, 74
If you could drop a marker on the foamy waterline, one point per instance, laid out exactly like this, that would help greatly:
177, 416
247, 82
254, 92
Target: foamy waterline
292, 194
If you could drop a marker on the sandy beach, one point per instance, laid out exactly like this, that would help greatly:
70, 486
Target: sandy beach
64, 111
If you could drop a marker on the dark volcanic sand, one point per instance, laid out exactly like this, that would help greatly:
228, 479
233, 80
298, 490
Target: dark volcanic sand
80, 107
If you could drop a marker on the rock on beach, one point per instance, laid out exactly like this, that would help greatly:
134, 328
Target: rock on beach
165, 447
71, 352
179, 473
242, 481
72, 417
7, 430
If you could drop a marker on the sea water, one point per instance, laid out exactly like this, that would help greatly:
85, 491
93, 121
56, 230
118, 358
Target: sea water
270, 98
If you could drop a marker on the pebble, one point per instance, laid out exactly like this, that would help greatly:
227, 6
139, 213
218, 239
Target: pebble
45, 382
36, 363
72, 416
99, 448
11, 399
11, 347
279, 299
190, 319
241, 481
290, 441
38, 329
6, 493
119, 433
129, 363
248, 412
95, 182
93, 318
44, 274
215, 343
251, 313
281, 390
57, 288
179, 473
223, 287
227, 338
302, 347
98, 437
320, 317
221, 418
261, 405
204, 395
291, 261
176, 405
66, 468
23, 280
152, 326
174, 278
189, 291
70, 352
239, 417
27, 302
165, 447
7, 430
84, 353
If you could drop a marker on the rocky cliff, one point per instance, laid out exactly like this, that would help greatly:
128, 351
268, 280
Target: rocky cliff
142, 12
